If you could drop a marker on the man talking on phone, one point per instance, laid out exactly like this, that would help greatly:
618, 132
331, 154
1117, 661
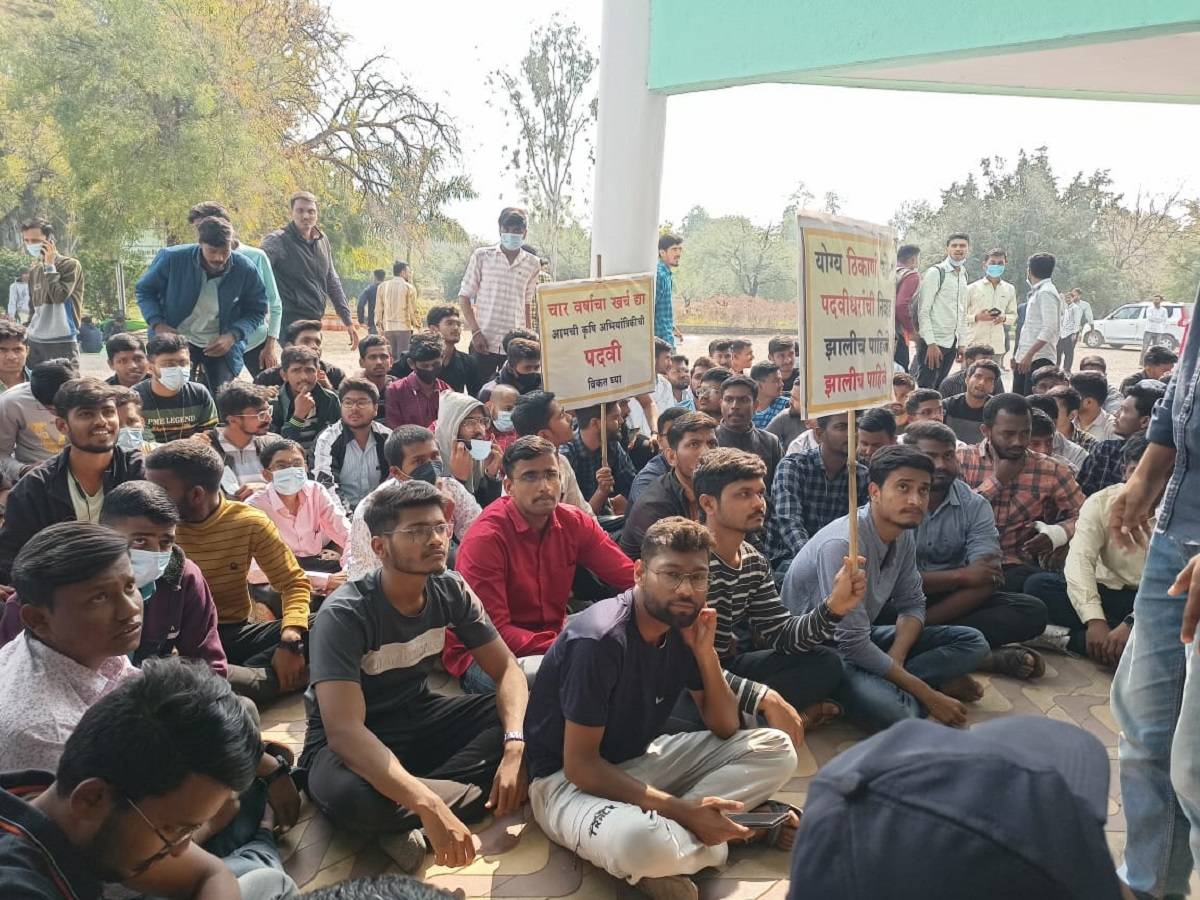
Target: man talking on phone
55, 296
648, 808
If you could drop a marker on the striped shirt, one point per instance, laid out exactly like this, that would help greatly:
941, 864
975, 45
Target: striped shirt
223, 546
746, 594
500, 292
188, 411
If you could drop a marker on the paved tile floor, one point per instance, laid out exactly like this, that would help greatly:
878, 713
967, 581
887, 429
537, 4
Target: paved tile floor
518, 862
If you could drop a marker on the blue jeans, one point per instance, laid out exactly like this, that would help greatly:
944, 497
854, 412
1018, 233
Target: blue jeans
477, 681
1160, 785
942, 653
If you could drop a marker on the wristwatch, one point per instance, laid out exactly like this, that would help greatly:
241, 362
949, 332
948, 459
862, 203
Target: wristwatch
296, 646
510, 736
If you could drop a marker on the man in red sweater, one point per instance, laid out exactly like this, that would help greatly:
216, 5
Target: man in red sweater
520, 556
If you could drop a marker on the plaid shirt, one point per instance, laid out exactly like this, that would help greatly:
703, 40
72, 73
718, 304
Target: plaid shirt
763, 417
804, 500
587, 462
1044, 491
664, 312
1103, 467
501, 293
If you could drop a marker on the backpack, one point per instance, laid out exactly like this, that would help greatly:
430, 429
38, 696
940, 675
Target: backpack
914, 305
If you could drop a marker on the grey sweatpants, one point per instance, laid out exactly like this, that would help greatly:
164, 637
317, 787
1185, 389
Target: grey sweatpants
630, 843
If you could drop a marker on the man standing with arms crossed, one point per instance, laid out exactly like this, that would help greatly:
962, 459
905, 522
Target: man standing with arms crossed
941, 311
303, 264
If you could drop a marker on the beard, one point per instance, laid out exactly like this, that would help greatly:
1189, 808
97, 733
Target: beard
675, 620
103, 851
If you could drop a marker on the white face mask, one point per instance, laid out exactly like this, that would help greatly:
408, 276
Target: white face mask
174, 377
129, 438
289, 481
148, 565
956, 263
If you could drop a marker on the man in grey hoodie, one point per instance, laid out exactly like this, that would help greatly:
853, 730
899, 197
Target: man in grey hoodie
28, 434
463, 424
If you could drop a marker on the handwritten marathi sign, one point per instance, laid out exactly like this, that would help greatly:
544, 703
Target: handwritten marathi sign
597, 338
847, 328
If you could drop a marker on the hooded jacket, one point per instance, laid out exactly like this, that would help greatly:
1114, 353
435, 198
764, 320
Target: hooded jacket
452, 410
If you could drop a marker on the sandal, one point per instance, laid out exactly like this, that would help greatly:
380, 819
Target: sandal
783, 835
1015, 661
819, 714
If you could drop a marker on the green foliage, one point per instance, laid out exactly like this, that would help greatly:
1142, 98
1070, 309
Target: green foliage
732, 256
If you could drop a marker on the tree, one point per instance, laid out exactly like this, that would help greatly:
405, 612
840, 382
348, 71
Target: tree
553, 106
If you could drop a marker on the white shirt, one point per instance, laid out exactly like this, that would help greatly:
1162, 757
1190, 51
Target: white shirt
1072, 317
1043, 320
1103, 427
1156, 320
982, 295
203, 322
806, 441
18, 300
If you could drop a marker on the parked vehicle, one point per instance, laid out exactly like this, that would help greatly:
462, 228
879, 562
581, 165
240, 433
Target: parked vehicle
1127, 324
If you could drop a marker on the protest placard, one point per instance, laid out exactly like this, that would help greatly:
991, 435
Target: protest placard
847, 330
597, 338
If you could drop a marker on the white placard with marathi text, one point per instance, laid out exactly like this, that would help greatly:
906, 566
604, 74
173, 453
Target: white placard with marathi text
847, 326
597, 338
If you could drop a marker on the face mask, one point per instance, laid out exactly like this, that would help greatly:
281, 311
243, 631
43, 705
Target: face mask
527, 383
130, 438
428, 472
995, 271
956, 263
289, 481
503, 420
174, 377
426, 376
148, 565
511, 241
34, 250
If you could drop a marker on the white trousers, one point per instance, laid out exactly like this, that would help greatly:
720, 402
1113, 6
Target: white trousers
630, 843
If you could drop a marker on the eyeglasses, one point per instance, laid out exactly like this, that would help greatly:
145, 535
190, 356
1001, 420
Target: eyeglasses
485, 421
365, 403
169, 845
263, 415
420, 534
550, 475
674, 580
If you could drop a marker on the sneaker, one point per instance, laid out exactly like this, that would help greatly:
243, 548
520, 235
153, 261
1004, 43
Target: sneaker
669, 887
1055, 637
406, 849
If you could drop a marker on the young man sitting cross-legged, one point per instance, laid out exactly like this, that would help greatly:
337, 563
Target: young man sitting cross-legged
385, 754
648, 808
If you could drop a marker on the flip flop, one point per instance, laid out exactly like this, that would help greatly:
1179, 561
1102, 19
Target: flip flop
1013, 660
783, 835
825, 712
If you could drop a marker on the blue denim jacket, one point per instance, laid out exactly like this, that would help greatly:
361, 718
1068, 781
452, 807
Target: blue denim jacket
1176, 424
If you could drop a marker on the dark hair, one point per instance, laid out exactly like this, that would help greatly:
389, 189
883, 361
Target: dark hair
738, 344
381, 887
40, 224
10, 331
761, 371
669, 415
277, 445
1041, 425
989, 365
358, 384
1041, 265
206, 210
723, 466
532, 412
958, 236
162, 344
907, 252
823, 421
195, 463
734, 381
235, 396
123, 342
1047, 371
1145, 394
526, 448
82, 393
977, 350
717, 375
1159, 356
379, 274
398, 268
584, 417
138, 498
300, 195
675, 534
434, 317
517, 333
214, 232
702, 362
887, 460
513, 215
1068, 395
124, 395
298, 354
389, 501
930, 431
1045, 403
669, 240
371, 340
904, 378
877, 420
678, 359
294, 330
63, 554
521, 350
919, 396
996, 251
718, 345
146, 737
401, 439
1009, 403
1093, 361
47, 377
425, 346
1134, 449
781, 343
686, 424
1091, 385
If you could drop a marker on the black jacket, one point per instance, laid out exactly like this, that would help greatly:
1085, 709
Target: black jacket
41, 498
662, 498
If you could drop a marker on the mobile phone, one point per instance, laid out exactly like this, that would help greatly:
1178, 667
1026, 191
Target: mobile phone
993, 311
760, 819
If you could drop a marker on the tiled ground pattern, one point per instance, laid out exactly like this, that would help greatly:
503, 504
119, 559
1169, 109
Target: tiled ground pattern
518, 862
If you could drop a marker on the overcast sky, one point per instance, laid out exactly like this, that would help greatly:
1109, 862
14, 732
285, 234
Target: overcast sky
744, 150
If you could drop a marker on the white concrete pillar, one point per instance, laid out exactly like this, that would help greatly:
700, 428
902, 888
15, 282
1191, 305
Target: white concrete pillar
629, 144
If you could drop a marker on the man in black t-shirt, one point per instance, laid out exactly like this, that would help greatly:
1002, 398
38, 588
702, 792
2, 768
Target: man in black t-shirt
384, 753
963, 413
642, 807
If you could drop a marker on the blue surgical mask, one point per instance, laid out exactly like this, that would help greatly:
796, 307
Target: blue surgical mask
34, 250
503, 420
956, 263
129, 438
174, 377
511, 241
995, 271
148, 565
289, 481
